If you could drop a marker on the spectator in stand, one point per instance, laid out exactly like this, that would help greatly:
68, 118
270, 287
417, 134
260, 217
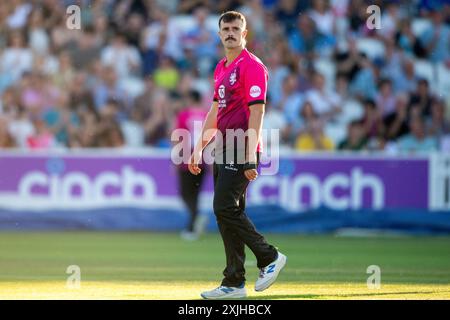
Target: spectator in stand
156, 126
417, 142
305, 39
326, 103
437, 125
109, 88
314, 138
422, 97
436, 38
372, 120
43, 63
203, 40
43, 138
125, 59
385, 98
356, 139
86, 49
405, 81
291, 100
17, 58
325, 21
396, 124
287, 13
274, 120
6, 139
166, 75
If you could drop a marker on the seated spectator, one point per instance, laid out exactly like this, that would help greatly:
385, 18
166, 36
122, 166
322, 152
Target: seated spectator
202, 40
363, 85
385, 98
349, 62
156, 125
109, 88
125, 59
86, 49
436, 38
291, 100
326, 103
372, 120
437, 125
274, 120
324, 19
417, 142
17, 58
43, 138
6, 139
356, 139
40, 94
314, 139
396, 123
133, 130
405, 81
301, 123
166, 75
21, 127
408, 42
305, 40
422, 97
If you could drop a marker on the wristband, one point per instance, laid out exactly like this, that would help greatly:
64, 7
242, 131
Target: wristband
250, 165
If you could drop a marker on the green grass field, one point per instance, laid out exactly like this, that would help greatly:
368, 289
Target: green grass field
161, 266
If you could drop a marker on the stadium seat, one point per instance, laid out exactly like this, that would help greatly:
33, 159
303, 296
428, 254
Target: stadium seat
351, 110
371, 47
336, 132
425, 69
328, 69
419, 26
443, 79
133, 86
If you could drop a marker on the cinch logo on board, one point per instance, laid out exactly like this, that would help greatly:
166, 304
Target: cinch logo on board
78, 186
290, 191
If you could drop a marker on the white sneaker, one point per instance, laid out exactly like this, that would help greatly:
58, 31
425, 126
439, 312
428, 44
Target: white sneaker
223, 292
188, 235
269, 274
200, 224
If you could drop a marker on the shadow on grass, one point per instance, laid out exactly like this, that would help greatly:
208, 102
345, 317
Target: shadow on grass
322, 296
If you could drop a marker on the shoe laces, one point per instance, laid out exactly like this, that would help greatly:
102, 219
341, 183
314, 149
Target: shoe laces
262, 271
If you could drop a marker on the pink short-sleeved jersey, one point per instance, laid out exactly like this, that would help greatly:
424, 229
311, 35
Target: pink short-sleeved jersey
236, 87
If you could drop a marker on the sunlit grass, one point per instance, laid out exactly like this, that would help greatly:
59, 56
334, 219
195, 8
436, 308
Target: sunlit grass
191, 290
161, 266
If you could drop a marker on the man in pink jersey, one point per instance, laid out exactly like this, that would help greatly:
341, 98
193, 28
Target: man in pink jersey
239, 100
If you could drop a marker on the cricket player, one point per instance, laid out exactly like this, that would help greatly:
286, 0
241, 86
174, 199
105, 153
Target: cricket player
239, 101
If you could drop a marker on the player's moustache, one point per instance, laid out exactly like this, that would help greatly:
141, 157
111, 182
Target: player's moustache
230, 38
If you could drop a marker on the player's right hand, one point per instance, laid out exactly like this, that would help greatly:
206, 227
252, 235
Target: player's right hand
193, 163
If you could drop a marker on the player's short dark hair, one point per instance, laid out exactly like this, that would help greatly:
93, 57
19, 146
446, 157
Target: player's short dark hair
230, 16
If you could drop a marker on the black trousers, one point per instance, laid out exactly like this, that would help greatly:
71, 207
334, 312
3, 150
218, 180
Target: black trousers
190, 186
230, 185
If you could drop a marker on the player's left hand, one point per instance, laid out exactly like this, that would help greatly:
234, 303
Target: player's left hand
251, 174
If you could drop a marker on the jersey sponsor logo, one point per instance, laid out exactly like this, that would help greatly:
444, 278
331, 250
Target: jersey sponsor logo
222, 91
255, 91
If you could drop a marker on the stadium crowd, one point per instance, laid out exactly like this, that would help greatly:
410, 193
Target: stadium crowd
335, 82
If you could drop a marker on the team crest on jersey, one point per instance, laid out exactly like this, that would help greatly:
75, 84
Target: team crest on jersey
233, 77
